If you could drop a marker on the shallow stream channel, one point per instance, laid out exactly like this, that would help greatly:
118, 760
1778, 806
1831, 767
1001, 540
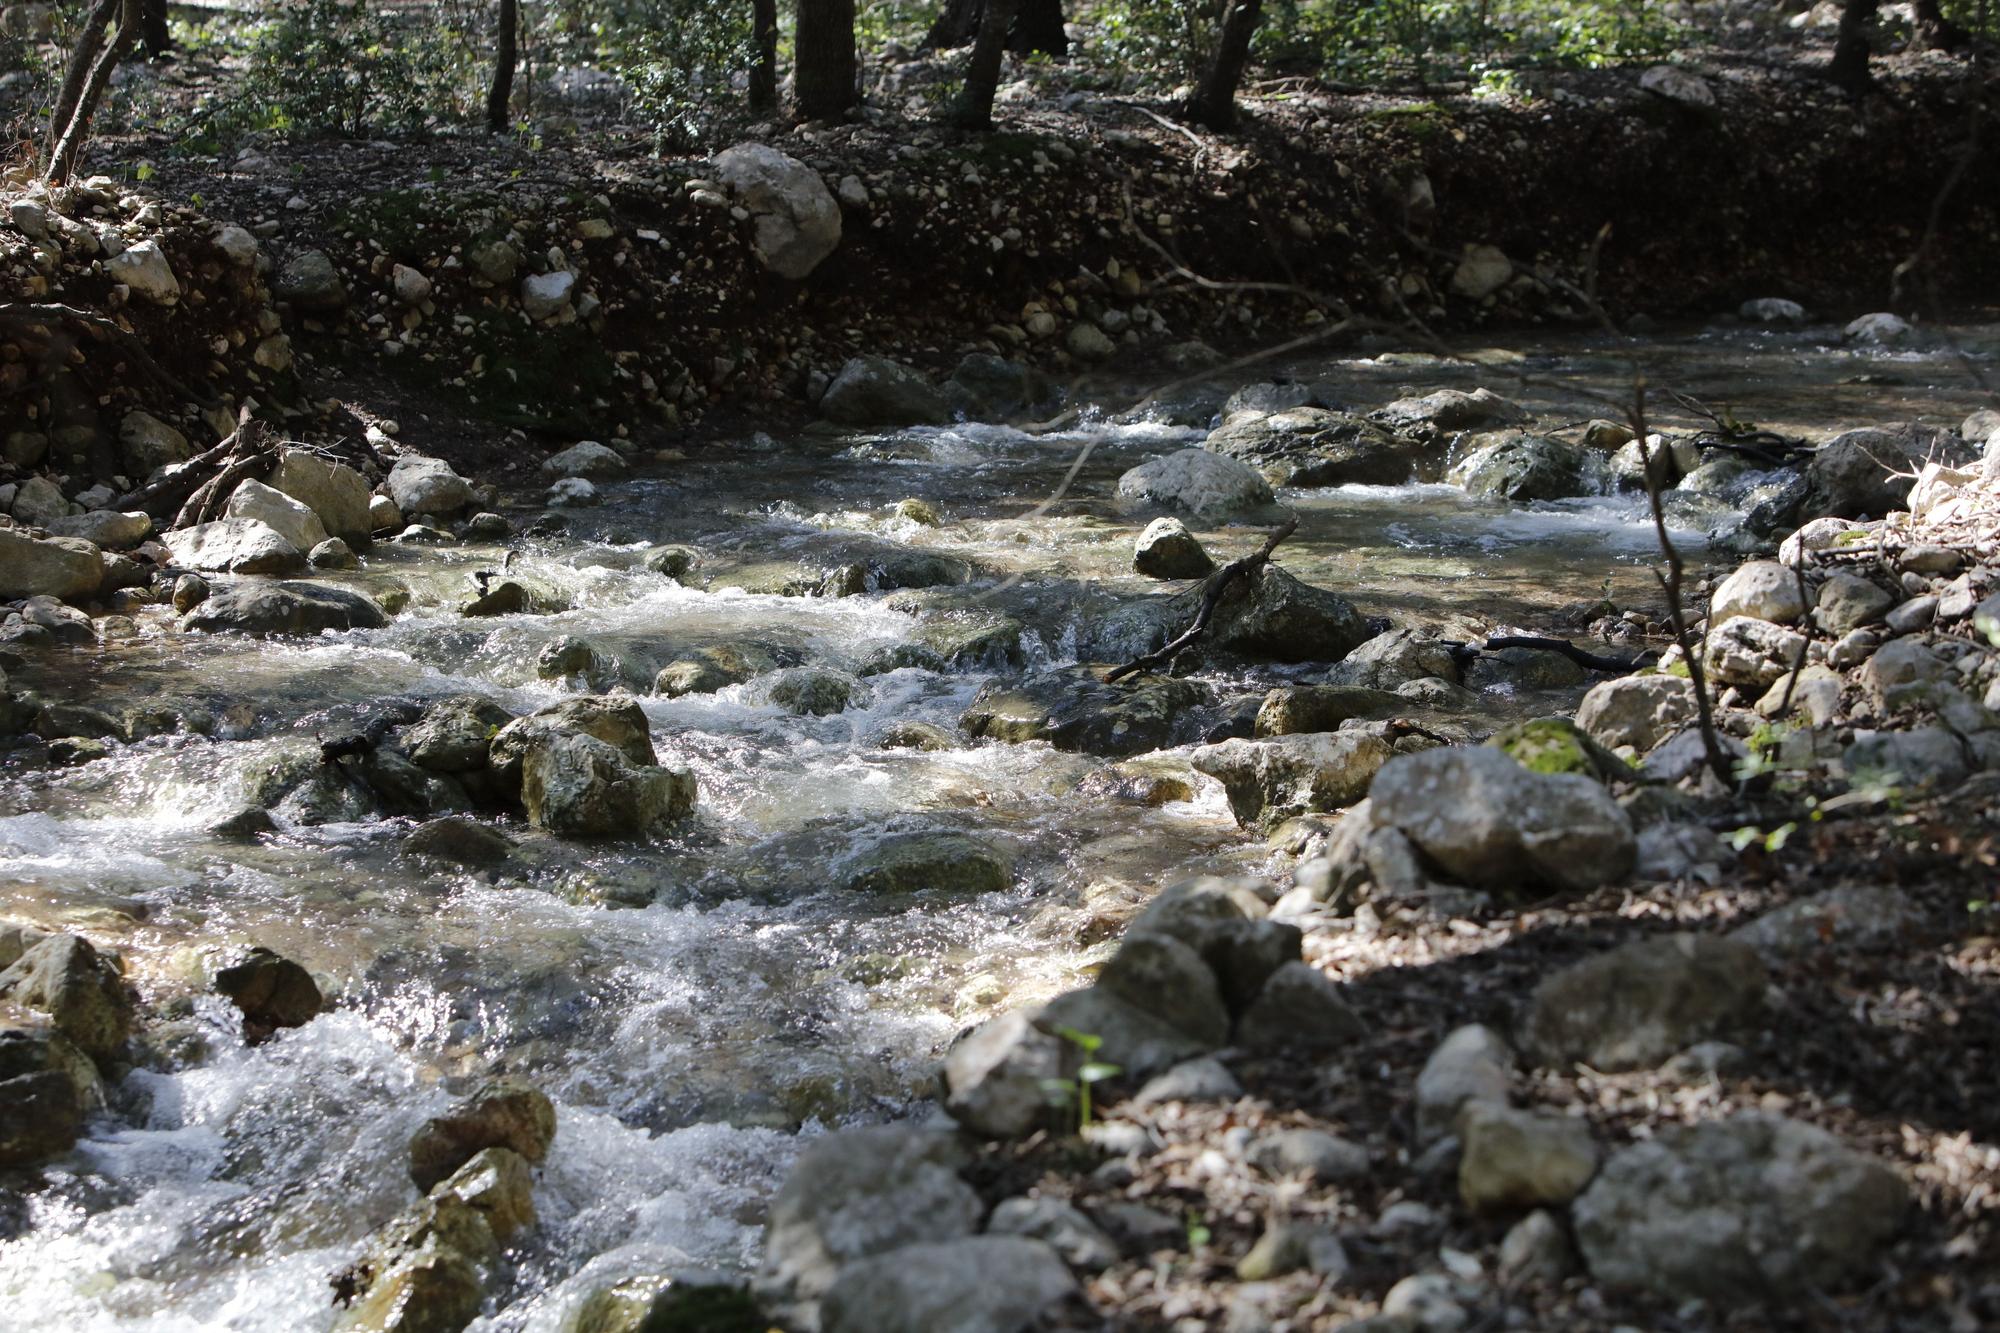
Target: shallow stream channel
852, 890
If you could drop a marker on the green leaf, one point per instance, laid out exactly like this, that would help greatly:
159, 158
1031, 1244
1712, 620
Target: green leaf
1097, 1072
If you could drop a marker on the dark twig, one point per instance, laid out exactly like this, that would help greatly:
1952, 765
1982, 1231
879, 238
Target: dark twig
1211, 596
1575, 654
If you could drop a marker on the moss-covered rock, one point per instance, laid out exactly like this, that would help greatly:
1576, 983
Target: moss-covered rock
1558, 745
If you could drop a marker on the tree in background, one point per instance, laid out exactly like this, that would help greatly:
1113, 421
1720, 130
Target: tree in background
1214, 103
982, 75
99, 47
824, 68
1033, 26
1930, 30
505, 56
764, 61
155, 40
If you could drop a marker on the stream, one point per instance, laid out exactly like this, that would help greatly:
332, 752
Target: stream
695, 1004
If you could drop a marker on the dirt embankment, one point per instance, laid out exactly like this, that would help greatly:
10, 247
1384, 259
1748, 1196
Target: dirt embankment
1033, 242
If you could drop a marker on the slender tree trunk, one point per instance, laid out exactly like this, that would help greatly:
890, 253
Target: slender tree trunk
88, 39
156, 40
101, 60
764, 68
824, 77
1038, 26
1215, 104
1850, 49
982, 75
506, 55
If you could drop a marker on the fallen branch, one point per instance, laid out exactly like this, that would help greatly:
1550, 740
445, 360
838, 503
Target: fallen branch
252, 457
172, 487
1575, 654
1211, 597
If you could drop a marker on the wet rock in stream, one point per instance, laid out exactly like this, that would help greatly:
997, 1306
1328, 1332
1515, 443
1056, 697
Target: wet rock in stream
1073, 709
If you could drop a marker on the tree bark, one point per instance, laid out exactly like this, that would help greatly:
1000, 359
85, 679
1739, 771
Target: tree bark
156, 40
982, 75
764, 66
956, 24
506, 55
1215, 104
824, 78
1849, 69
1932, 31
1038, 26
88, 39
100, 55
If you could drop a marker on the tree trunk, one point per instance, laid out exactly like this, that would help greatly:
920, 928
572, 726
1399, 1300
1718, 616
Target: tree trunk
1849, 69
1215, 104
824, 77
1038, 26
506, 54
764, 68
100, 55
156, 40
1932, 31
88, 39
982, 75
956, 24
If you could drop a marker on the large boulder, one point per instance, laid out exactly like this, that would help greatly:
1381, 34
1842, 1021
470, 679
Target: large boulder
423, 485
46, 1085
505, 1113
938, 860
1168, 979
1294, 709
1073, 709
235, 546
149, 443
336, 494
1269, 616
1514, 1160
1283, 776
1447, 412
855, 1194
66, 567
105, 528
1639, 711
991, 388
1750, 1209
997, 1077
578, 786
284, 608
614, 719
1396, 658
1635, 1006
1226, 922
1869, 471
875, 393
978, 1284
86, 999
796, 221
1310, 446
1486, 821
1513, 465
309, 280
270, 991
1205, 485
1167, 550
289, 518
455, 734
1762, 590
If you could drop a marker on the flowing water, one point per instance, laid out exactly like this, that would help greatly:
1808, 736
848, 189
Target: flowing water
694, 1005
